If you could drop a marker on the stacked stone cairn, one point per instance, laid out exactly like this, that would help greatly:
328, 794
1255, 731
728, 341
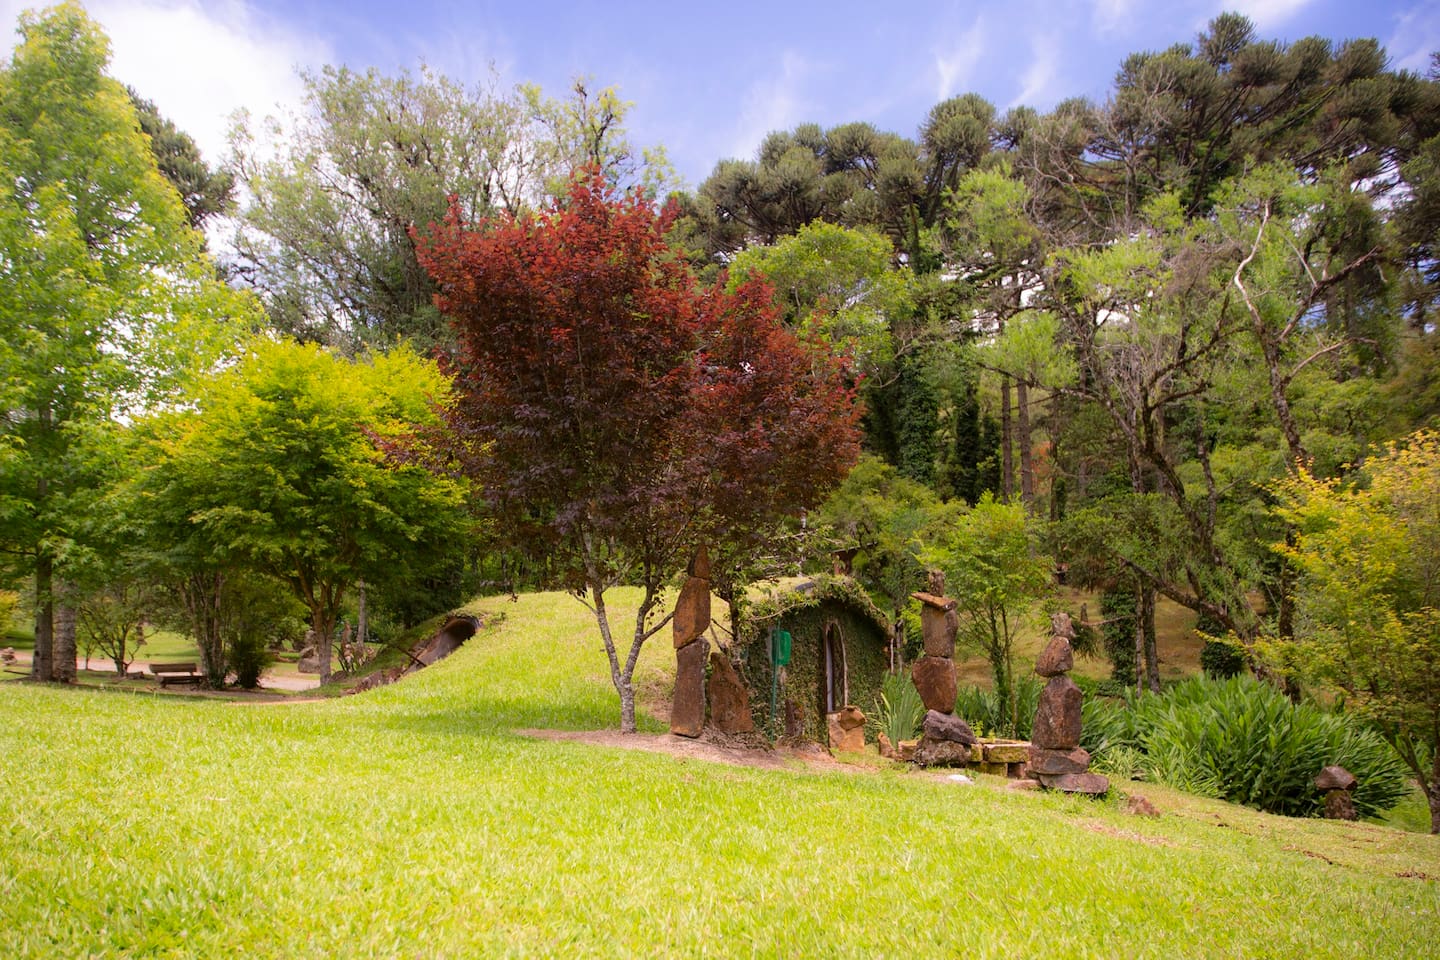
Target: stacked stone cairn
692, 619
947, 740
1056, 758
725, 692
1337, 784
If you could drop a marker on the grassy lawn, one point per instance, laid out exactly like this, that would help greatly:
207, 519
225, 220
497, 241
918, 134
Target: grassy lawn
412, 821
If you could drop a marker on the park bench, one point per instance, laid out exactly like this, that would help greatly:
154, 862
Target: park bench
168, 673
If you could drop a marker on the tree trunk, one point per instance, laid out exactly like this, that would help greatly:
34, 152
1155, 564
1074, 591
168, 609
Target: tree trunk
362, 618
1022, 424
65, 651
42, 666
1432, 789
1147, 621
324, 626
1139, 638
1007, 457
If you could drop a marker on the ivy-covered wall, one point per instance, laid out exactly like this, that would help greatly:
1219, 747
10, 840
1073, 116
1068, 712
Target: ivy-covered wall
804, 614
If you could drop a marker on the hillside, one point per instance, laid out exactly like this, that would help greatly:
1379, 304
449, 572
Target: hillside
413, 821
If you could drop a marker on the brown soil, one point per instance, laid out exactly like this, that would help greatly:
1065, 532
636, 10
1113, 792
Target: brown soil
711, 746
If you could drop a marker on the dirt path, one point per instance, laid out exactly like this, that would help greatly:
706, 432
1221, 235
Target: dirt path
268, 681
734, 752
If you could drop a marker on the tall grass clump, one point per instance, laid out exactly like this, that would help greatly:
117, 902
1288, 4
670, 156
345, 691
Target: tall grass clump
983, 710
1243, 741
899, 708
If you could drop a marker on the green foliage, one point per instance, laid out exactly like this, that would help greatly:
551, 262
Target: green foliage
834, 284
997, 573
987, 710
879, 513
1244, 741
1369, 596
1117, 610
250, 655
899, 709
282, 470
1221, 660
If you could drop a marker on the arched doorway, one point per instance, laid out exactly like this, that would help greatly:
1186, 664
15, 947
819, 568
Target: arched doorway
834, 683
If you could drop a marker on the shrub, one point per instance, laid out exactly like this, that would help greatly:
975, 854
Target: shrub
899, 710
249, 656
1221, 660
982, 709
1117, 610
1243, 741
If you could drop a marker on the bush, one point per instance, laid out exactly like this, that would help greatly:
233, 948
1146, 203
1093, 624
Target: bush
1244, 741
983, 710
1117, 610
1221, 660
899, 710
249, 656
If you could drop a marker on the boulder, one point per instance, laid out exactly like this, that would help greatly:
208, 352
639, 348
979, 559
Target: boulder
905, 749
1056, 762
844, 739
940, 753
1057, 658
1057, 719
692, 611
1090, 783
1335, 778
1339, 806
934, 678
1007, 752
1140, 807
729, 699
851, 717
935, 628
1060, 626
687, 708
887, 749
944, 726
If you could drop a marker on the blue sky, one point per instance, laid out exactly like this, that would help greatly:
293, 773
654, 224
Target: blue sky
707, 80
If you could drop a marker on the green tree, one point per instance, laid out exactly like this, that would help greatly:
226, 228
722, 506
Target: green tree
996, 571
282, 469
206, 192
341, 194
1368, 550
106, 300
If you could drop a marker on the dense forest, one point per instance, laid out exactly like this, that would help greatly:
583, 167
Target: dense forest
1145, 324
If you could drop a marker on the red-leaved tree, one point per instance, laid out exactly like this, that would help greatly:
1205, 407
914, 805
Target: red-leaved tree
615, 412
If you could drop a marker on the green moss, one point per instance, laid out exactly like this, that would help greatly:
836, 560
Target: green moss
805, 613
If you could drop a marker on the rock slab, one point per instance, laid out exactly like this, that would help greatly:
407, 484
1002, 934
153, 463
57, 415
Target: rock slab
940, 753
934, 678
944, 726
687, 710
1057, 762
1057, 719
1093, 784
692, 611
729, 700
1056, 658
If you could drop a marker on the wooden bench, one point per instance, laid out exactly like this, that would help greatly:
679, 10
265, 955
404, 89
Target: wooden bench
168, 673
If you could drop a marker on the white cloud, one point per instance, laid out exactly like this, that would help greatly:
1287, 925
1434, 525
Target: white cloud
1265, 13
1039, 78
1417, 34
1109, 15
770, 104
200, 62
955, 68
